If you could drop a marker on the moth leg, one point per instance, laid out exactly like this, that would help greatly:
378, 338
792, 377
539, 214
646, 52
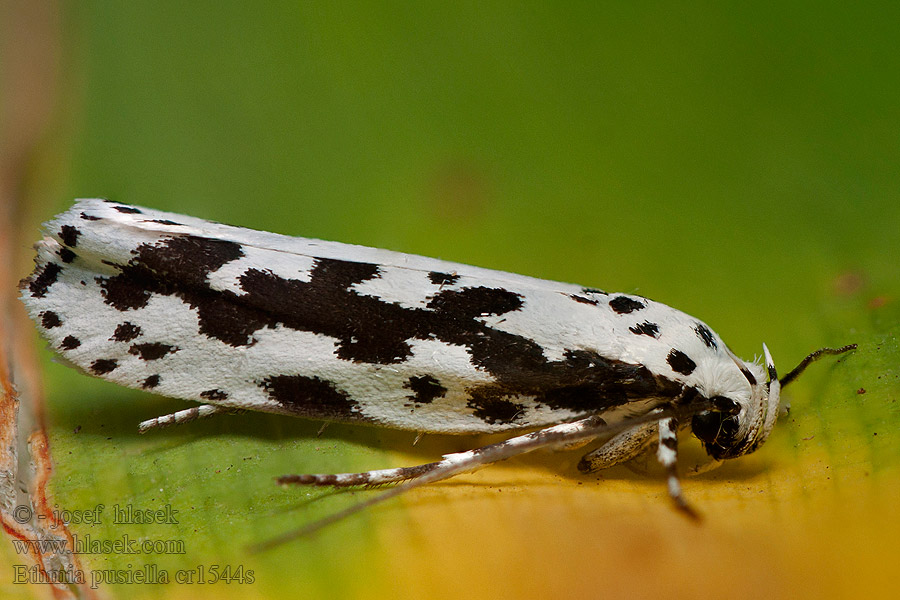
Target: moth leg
667, 454
182, 416
453, 464
365, 478
618, 449
448, 466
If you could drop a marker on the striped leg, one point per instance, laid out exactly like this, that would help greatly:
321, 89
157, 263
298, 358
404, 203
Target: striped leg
667, 454
448, 466
366, 478
460, 462
182, 416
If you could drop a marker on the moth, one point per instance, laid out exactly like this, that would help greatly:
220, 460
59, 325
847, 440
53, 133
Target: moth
240, 319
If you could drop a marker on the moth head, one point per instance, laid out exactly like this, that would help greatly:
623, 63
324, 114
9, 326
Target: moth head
737, 426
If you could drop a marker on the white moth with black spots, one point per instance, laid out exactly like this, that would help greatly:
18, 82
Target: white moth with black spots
242, 319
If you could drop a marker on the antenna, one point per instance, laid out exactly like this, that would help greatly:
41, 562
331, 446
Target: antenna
813, 357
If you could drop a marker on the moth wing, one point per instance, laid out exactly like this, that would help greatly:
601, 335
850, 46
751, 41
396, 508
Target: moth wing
240, 318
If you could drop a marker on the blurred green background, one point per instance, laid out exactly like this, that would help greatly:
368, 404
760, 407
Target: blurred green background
738, 161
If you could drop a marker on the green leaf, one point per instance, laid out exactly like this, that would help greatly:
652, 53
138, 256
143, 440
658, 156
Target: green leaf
736, 162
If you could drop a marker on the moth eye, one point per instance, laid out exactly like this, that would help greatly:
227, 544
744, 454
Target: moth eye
717, 429
706, 425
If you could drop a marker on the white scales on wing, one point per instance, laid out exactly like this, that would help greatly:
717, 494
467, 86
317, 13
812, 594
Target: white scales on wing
242, 319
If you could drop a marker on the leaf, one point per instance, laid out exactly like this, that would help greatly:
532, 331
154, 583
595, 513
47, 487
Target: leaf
737, 165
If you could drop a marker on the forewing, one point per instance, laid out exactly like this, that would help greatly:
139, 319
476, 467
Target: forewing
241, 318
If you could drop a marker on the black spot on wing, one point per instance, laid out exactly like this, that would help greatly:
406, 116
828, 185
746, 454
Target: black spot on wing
645, 328
680, 362
187, 259
341, 274
179, 265
103, 366
469, 303
495, 409
162, 222
368, 329
69, 235
66, 255
624, 305
584, 299
438, 278
70, 342
214, 394
152, 350
224, 317
41, 281
125, 293
151, 382
325, 304
129, 210
50, 319
587, 382
310, 396
425, 389
706, 335
88, 217
125, 332
588, 290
